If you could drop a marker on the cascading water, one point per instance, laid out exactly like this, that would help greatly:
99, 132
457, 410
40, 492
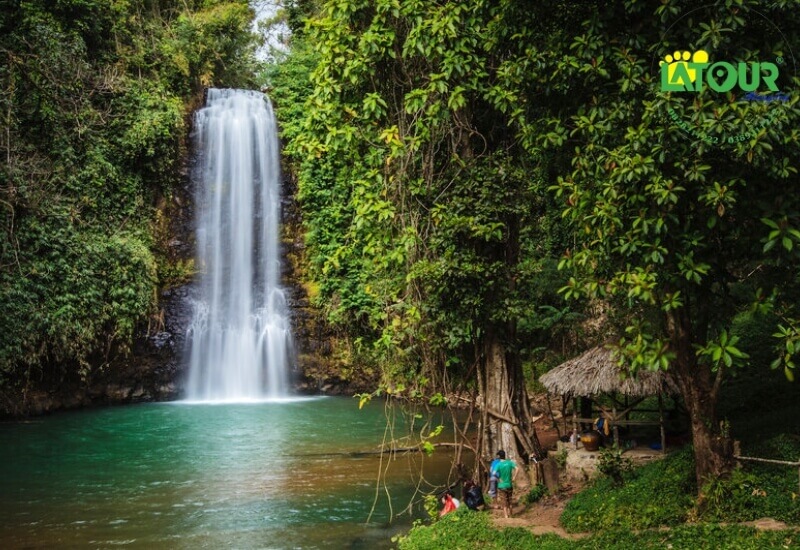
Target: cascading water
240, 337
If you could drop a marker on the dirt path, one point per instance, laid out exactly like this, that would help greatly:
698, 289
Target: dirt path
543, 516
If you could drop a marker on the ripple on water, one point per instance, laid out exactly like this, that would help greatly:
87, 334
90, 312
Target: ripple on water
179, 475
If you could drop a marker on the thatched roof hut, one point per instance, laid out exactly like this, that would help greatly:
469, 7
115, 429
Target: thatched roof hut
597, 372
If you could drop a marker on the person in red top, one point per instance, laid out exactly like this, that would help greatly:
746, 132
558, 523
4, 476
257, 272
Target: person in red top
450, 503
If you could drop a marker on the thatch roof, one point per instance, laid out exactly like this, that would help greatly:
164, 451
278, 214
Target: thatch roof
596, 372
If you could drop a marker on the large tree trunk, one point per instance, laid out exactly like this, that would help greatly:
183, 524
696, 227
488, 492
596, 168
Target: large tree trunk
506, 419
507, 411
713, 448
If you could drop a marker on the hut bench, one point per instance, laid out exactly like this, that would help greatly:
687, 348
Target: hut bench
597, 372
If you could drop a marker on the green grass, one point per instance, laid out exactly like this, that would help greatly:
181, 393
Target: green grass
662, 493
465, 530
692, 537
759, 490
658, 495
470, 530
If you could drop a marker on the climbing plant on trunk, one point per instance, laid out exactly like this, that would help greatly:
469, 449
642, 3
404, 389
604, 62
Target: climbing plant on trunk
424, 225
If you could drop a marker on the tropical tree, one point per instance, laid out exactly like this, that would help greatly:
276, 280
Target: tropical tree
432, 128
682, 204
428, 231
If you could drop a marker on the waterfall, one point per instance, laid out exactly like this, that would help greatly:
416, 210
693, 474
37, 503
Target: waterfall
240, 340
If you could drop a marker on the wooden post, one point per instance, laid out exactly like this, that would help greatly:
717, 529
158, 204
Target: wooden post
661, 424
535, 473
575, 414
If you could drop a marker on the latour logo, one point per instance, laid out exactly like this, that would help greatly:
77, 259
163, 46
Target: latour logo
685, 71
731, 91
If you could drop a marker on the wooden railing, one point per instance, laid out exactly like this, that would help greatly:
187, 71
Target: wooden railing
772, 461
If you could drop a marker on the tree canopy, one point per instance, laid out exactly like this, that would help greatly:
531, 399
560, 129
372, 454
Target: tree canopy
449, 154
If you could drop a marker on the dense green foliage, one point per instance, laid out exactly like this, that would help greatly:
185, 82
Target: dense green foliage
427, 229
474, 530
94, 97
450, 154
685, 235
671, 226
752, 492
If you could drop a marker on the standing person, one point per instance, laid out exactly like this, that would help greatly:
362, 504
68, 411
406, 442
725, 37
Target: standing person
493, 474
506, 472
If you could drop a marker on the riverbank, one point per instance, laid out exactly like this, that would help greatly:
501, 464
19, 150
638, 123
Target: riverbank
475, 530
654, 507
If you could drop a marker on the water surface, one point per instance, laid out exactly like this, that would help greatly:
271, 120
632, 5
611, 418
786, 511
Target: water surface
288, 474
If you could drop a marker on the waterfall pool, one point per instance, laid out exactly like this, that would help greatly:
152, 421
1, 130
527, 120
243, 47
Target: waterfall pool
293, 473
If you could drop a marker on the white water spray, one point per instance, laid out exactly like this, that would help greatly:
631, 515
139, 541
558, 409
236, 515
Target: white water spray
240, 337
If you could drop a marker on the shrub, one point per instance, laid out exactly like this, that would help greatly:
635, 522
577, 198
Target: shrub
561, 459
536, 493
612, 465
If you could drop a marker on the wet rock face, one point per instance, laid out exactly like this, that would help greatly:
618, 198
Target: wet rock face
316, 368
308, 329
155, 368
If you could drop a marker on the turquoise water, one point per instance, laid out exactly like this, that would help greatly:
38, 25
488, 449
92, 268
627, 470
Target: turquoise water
261, 475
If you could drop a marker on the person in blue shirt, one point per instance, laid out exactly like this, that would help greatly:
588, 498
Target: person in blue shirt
501, 455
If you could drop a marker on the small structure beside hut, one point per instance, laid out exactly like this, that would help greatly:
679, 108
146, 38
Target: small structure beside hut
613, 393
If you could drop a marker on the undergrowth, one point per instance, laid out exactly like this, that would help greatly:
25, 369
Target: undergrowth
469, 530
757, 490
660, 493
535, 494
